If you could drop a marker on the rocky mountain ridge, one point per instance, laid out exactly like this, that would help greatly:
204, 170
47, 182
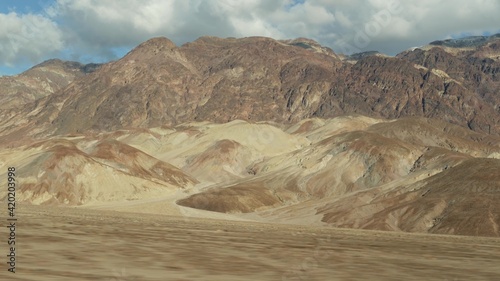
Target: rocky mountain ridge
40, 81
470, 42
259, 79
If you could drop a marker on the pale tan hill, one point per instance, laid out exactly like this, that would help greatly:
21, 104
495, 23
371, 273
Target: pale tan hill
316, 129
335, 166
461, 200
225, 158
216, 153
136, 163
372, 168
58, 172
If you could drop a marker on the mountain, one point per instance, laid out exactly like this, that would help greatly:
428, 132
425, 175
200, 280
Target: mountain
466, 42
40, 81
270, 130
260, 79
355, 57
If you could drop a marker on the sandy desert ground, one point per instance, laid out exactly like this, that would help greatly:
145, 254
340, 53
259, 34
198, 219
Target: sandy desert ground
59, 243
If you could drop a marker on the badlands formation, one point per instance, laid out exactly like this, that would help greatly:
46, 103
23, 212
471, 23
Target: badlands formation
257, 159
408, 174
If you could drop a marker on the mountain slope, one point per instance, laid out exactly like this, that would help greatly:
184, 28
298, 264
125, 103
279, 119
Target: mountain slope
408, 174
78, 171
259, 79
40, 81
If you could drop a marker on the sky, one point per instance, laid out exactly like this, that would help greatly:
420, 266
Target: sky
32, 31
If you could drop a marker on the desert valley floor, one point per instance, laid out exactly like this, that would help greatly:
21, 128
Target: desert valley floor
82, 244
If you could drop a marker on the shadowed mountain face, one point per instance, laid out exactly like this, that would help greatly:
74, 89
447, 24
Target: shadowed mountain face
276, 131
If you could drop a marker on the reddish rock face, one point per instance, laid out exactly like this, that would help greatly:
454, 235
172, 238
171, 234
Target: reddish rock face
256, 79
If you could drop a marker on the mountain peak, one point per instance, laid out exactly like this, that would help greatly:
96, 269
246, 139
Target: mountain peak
358, 56
309, 44
65, 65
158, 42
153, 46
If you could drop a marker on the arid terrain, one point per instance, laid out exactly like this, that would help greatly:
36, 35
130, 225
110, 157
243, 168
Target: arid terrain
256, 159
409, 174
75, 244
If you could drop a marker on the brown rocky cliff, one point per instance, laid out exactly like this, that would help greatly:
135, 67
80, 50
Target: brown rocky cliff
470, 78
259, 78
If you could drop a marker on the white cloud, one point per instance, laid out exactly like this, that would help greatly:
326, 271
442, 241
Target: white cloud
343, 19
27, 38
114, 22
96, 27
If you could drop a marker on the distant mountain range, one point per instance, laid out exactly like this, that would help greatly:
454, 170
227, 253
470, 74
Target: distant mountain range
467, 42
257, 79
